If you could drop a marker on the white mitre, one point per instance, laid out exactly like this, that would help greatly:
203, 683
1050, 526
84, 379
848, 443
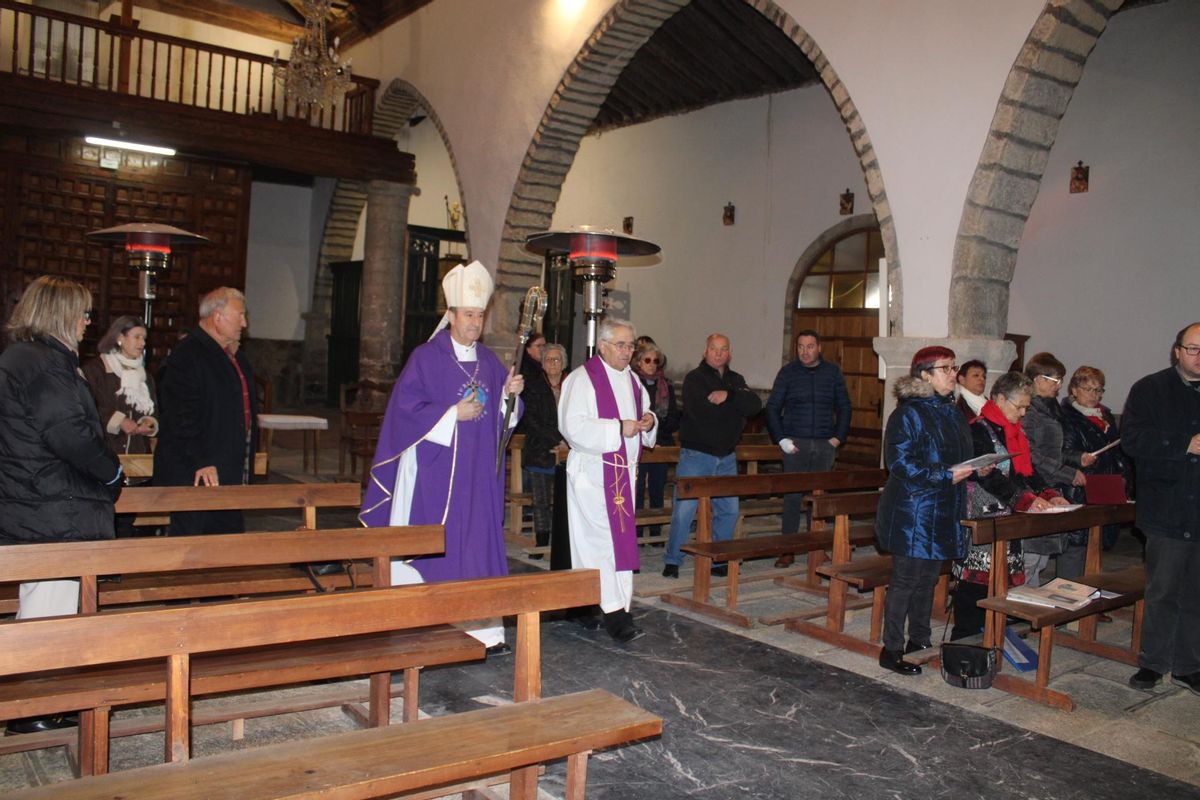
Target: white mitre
465, 286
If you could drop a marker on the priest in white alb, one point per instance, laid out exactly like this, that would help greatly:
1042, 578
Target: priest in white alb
604, 414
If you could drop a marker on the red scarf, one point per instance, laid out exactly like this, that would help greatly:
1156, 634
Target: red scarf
1014, 438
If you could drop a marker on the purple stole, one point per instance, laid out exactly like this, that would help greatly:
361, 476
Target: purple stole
618, 491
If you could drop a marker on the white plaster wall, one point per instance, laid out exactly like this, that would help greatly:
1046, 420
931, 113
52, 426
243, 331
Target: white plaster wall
925, 75
1107, 278
781, 160
280, 259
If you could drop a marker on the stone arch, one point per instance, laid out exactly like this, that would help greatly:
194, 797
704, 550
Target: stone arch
399, 102
572, 109
829, 237
1006, 180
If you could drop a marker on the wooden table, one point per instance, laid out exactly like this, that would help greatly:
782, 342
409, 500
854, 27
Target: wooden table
311, 428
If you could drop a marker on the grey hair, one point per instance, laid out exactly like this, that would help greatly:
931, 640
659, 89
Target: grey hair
562, 351
217, 299
1012, 384
610, 324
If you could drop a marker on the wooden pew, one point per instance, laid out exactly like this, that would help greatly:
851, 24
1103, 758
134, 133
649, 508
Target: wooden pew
872, 574
1129, 584
97, 690
750, 455
732, 552
306, 498
376, 762
141, 465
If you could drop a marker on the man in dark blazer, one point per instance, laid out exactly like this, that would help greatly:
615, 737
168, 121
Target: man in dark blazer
208, 412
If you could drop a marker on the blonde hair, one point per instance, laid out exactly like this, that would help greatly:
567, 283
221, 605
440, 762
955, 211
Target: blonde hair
50, 306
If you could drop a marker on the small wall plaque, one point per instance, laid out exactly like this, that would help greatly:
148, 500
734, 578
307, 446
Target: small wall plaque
1079, 178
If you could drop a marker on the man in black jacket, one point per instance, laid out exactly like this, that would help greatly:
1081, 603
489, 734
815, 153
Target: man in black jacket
1161, 431
207, 424
716, 403
808, 415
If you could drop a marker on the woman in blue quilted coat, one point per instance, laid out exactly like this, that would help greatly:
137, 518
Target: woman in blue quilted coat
923, 501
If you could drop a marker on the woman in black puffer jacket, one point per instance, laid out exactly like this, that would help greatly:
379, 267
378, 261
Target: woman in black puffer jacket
58, 479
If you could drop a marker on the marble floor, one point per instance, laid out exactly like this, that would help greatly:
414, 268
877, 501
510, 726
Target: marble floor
765, 713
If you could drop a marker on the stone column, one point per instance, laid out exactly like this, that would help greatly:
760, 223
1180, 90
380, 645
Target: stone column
382, 296
896, 353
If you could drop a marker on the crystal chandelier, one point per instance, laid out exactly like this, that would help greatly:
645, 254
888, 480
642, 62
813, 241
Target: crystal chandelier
312, 75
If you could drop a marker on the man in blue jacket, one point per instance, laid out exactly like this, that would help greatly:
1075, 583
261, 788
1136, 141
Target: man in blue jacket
1161, 431
808, 415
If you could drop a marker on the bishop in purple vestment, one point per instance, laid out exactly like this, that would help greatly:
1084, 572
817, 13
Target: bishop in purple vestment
435, 462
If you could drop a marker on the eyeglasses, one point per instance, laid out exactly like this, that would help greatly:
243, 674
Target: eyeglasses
1190, 349
651, 360
1096, 390
620, 345
949, 369
1022, 407
1051, 378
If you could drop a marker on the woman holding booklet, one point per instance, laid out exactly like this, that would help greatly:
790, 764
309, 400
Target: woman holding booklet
923, 501
1013, 485
1088, 426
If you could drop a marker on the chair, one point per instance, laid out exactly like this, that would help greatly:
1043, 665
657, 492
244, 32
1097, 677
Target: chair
360, 425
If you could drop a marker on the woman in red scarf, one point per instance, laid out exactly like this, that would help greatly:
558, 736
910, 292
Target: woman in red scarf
1013, 486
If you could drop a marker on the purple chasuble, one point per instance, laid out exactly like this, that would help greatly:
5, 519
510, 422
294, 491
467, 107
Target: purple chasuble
618, 492
456, 482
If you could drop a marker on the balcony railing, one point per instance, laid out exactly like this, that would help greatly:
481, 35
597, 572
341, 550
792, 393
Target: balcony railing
71, 50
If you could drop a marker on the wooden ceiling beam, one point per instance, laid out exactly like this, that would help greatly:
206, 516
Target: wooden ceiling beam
227, 15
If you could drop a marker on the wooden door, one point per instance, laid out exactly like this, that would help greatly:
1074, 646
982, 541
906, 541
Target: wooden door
846, 340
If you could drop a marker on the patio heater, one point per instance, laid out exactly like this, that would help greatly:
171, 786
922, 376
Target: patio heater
148, 250
592, 254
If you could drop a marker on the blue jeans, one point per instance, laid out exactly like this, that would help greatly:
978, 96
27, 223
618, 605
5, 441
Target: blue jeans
693, 463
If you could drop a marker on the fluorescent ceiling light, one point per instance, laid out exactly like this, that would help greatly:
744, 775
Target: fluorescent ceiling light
142, 148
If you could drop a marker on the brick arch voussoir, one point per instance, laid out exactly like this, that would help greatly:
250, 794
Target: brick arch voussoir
1010, 169
573, 107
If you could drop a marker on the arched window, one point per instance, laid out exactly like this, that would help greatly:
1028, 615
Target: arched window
846, 275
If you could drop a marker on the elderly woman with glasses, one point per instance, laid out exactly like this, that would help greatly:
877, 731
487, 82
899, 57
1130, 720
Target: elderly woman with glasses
1060, 467
1013, 485
1088, 426
923, 501
648, 364
543, 442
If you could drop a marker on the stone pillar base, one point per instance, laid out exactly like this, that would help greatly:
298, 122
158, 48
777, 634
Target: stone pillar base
896, 353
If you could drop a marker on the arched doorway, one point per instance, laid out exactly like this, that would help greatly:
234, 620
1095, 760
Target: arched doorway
836, 290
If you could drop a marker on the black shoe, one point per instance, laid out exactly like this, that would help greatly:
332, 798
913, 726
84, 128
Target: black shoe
108, 578
720, 570
671, 571
501, 649
913, 647
893, 660
785, 561
1145, 679
1189, 682
40, 724
620, 627
536, 556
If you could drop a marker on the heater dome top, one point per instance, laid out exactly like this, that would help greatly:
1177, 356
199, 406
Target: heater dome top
567, 241
133, 231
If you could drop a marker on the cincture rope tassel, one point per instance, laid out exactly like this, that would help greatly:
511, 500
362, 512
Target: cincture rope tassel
618, 497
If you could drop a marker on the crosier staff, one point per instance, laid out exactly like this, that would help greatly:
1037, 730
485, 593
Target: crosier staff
531, 315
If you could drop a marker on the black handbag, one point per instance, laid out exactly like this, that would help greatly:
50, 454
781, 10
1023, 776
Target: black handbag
969, 666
